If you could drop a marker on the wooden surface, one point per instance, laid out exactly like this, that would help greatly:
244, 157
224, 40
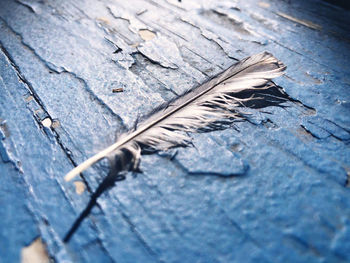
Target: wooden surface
73, 74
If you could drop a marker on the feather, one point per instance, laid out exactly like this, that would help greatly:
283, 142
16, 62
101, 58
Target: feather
205, 108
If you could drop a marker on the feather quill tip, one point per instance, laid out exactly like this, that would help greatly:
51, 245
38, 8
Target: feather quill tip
73, 173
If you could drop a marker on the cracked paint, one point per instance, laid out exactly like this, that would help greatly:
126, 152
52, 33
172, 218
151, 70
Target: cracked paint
153, 50
189, 157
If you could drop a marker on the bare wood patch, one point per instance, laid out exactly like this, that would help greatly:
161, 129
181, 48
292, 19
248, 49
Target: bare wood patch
79, 187
35, 253
46, 122
300, 21
146, 34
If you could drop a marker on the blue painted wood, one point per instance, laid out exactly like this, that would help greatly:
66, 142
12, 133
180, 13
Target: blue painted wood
61, 60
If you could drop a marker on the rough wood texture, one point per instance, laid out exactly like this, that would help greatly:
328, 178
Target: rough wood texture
72, 73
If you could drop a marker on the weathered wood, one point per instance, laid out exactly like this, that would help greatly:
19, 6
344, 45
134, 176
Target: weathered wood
60, 65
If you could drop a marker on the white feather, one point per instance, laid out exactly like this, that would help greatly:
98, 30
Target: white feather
202, 109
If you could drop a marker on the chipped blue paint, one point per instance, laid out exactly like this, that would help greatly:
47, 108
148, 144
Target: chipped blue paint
210, 164
59, 60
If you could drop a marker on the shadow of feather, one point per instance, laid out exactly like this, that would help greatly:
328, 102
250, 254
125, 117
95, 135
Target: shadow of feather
106, 184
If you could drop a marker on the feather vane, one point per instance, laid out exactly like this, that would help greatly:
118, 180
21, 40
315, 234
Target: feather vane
205, 108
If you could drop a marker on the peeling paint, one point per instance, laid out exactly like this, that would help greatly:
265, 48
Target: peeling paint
188, 158
33, 6
7, 148
123, 53
228, 20
224, 45
348, 181
162, 51
4, 129
134, 24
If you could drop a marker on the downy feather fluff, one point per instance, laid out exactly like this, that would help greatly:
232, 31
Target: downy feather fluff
205, 108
